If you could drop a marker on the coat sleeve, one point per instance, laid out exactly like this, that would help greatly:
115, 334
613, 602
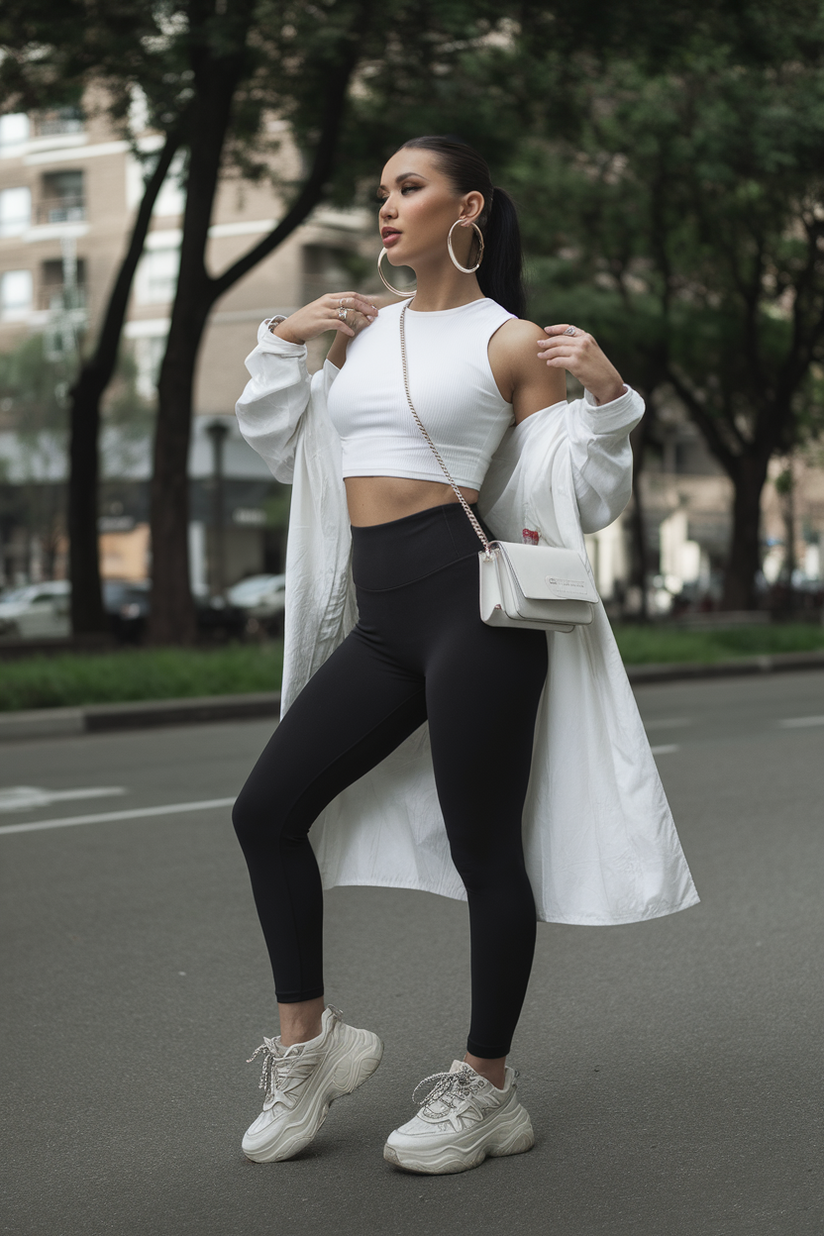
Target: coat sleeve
274, 400
601, 455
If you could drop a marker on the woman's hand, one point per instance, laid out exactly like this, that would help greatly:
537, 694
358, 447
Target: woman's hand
569, 347
347, 312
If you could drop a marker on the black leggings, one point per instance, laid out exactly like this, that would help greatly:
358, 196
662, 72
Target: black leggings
419, 651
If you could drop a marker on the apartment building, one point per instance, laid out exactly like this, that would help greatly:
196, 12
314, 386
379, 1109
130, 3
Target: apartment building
69, 188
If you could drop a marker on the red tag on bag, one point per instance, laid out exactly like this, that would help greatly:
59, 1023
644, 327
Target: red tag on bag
529, 537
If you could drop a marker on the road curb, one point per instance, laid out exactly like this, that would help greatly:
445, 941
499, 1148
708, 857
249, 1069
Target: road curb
142, 714
149, 714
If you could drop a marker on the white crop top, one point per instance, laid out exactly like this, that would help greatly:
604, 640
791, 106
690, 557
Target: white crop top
452, 388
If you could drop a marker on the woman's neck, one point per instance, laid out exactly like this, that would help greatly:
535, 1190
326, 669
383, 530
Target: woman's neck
443, 287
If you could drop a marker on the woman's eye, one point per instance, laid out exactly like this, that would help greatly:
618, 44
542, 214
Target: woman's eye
408, 188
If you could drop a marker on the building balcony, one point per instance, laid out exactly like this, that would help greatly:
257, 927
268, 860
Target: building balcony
60, 210
56, 122
60, 297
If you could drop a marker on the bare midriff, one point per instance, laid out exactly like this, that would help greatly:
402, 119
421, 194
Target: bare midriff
380, 499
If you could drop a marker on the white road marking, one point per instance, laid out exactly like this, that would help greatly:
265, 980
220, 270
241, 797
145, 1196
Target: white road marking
796, 723
668, 723
104, 817
668, 749
24, 797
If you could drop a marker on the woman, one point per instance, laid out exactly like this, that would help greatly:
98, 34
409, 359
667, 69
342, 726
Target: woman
393, 686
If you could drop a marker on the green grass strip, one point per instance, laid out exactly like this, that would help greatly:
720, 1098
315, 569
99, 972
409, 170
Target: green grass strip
649, 645
74, 679
175, 673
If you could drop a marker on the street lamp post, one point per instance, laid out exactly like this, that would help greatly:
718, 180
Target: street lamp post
218, 433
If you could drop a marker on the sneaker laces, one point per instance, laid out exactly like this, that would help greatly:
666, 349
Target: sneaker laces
450, 1089
284, 1069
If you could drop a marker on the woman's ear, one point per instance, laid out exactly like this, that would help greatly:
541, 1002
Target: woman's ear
472, 207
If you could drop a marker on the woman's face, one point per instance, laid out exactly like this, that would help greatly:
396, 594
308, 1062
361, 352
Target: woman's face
419, 206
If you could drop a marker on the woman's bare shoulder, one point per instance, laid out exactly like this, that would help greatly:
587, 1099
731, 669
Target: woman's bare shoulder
521, 375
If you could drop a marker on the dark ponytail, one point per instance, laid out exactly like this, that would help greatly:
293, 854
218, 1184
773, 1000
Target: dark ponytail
500, 273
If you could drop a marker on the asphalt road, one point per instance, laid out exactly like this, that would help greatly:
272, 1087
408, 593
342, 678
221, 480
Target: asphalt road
673, 1069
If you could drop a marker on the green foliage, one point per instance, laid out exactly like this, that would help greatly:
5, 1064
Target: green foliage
651, 645
33, 388
34, 385
139, 674
682, 216
784, 482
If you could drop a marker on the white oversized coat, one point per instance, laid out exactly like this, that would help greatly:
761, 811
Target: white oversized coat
599, 839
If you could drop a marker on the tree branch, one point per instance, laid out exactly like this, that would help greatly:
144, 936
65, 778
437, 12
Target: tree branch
322, 164
104, 359
727, 458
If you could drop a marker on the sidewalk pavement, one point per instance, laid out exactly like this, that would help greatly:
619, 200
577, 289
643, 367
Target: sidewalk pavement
148, 714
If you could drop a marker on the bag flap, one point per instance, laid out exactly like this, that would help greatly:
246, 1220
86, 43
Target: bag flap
543, 572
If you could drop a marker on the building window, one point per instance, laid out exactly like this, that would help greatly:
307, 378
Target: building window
148, 354
15, 211
14, 130
56, 292
171, 200
63, 199
55, 121
156, 280
15, 294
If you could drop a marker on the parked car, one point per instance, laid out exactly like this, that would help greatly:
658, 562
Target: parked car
42, 611
218, 619
262, 598
36, 611
128, 604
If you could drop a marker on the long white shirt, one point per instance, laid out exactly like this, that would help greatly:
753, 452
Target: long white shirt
599, 838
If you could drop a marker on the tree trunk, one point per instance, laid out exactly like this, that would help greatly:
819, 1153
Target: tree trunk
87, 613
172, 615
744, 559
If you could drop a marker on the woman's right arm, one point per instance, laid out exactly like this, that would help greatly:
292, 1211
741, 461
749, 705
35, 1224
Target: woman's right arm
277, 394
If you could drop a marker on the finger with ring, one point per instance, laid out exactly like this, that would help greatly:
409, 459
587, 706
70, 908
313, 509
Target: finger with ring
570, 330
343, 314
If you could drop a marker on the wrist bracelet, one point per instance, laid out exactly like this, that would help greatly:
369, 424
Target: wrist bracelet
276, 321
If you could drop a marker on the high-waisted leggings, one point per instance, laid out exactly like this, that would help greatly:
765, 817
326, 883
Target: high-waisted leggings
419, 652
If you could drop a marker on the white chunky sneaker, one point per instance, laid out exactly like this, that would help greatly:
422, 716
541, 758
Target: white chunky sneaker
463, 1118
301, 1081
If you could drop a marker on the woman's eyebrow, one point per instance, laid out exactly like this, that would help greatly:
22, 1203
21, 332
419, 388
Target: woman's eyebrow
405, 176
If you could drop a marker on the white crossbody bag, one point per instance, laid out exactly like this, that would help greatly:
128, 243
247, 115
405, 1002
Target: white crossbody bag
534, 586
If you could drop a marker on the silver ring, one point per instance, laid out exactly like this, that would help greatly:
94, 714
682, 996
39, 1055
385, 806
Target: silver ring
343, 313
570, 330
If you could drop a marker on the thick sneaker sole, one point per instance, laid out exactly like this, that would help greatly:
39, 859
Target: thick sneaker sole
512, 1134
337, 1078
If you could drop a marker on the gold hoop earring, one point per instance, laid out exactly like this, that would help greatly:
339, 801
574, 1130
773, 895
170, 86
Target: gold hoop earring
386, 283
463, 269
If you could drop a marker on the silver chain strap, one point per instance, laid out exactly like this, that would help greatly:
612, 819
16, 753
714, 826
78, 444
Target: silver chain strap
488, 551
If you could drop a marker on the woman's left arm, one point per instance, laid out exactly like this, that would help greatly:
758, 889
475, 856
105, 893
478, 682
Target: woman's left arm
597, 426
